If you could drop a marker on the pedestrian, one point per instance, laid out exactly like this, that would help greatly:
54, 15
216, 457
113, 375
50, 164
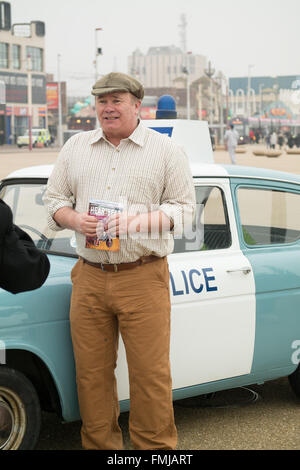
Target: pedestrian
125, 290
291, 141
280, 140
22, 266
273, 140
268, 139
231, 140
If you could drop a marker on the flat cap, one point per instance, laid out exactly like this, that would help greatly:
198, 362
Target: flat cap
116, 81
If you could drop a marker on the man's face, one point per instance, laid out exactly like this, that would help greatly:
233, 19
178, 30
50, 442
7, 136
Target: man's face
117, 113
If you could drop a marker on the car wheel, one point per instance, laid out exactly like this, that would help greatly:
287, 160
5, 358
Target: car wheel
20, 412
294, 380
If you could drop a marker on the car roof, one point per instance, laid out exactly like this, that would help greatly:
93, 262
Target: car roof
198, 171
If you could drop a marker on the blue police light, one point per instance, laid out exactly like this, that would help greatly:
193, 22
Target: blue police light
166, 108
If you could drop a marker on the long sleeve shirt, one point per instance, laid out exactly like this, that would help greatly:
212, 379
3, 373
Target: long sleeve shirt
146, 172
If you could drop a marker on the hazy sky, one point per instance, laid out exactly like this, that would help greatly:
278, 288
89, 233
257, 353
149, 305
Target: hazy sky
230, 33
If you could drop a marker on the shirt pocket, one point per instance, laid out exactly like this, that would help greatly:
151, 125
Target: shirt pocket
141, 189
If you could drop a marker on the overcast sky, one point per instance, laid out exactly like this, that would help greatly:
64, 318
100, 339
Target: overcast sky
231, 33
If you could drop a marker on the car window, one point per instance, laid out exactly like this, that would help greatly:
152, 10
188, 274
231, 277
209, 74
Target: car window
269, 216
210, 230
29, 213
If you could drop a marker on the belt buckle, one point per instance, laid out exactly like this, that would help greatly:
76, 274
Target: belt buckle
102, 266
115, 268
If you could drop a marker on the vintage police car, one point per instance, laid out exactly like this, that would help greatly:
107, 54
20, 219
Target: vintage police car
235, 291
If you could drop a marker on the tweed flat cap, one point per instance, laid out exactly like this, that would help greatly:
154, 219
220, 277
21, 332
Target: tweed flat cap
116, 81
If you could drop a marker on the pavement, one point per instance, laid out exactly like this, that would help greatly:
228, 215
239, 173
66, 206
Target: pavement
259, 417
13, 158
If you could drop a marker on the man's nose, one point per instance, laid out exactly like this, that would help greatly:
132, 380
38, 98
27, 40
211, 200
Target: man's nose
109, 107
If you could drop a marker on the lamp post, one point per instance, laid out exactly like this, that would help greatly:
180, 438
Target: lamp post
248, 90
98, 51
188, 97
220, 79
29, 99
186, 71
60, 137
210, 72
261, 85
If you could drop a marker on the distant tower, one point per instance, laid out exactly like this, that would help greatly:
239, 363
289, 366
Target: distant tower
182, 32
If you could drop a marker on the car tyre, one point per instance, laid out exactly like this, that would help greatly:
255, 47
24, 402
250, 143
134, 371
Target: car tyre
20, 411
294, 380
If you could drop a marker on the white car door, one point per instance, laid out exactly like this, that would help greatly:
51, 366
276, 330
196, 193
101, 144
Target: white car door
213, 295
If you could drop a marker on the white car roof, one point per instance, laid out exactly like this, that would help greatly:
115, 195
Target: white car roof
44, 171
198, 170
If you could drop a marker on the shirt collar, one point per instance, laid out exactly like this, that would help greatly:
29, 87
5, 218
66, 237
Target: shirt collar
138, 135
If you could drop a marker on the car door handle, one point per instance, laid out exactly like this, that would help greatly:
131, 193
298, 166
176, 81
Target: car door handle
245, 270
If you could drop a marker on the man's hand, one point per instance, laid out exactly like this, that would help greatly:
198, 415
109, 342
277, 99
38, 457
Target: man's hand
81, 222
125, 224
121, 224
85, 224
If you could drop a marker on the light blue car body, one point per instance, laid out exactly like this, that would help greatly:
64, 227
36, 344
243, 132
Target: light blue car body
38, 321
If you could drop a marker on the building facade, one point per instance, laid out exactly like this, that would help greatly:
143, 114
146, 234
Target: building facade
162, 65
266, 98
22, 76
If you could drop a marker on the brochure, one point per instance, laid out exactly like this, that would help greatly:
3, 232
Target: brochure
103, 210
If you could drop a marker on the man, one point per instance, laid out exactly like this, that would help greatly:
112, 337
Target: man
231, 141
22, 266
273, 140
125, 290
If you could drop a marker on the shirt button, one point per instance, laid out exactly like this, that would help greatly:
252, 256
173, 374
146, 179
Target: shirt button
113, 169
108, 187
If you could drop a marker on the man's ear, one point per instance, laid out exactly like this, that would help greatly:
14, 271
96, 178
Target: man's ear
137, 106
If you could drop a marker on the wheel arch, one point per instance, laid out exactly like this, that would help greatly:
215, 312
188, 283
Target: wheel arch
37, 371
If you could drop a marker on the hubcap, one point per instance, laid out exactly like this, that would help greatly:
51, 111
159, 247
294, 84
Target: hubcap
12, 420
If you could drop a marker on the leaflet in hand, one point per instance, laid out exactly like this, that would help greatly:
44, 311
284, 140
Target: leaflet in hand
103, 210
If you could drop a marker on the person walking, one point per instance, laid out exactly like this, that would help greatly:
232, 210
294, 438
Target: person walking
124, 291
273, 140
231, 140
280, 140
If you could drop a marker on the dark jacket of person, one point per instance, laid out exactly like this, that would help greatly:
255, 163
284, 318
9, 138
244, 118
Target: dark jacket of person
22, 266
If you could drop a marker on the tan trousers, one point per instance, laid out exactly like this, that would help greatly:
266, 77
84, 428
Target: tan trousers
135, 302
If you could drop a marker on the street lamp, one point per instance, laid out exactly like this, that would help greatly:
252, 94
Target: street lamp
188, 97
249, 88
60, 136
220, 79
260, 86
29, 99
98, 51
186, 70
210, 72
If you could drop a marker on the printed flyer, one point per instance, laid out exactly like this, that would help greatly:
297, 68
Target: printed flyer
103, 210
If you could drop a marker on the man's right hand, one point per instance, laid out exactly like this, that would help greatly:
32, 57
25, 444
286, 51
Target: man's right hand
81, 222
85, 224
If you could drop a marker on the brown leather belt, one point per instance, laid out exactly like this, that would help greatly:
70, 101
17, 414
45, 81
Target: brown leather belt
122, 266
